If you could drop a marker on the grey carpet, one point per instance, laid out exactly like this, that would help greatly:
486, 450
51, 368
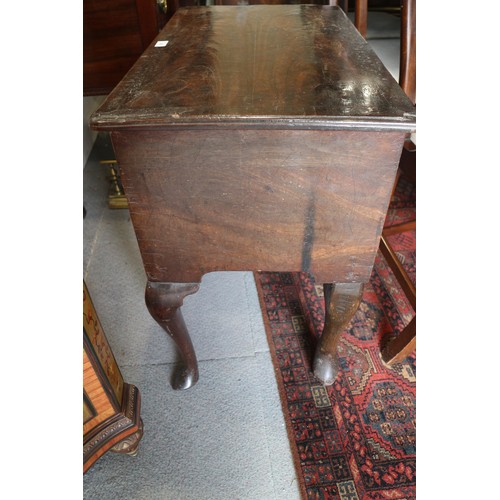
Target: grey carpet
225, 438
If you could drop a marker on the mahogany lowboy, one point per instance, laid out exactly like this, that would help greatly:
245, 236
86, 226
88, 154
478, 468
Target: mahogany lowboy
259, 138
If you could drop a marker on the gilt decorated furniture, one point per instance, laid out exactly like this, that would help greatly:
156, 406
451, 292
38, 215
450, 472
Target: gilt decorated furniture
263, 137
111, 407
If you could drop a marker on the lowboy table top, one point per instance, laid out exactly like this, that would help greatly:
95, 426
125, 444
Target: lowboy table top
297, 66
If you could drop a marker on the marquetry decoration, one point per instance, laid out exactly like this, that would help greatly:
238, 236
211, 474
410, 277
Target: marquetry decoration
111, 407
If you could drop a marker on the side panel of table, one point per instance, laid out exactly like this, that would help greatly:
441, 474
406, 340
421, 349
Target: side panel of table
271, 200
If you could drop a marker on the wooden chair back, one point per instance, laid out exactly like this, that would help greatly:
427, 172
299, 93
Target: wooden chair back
407, 62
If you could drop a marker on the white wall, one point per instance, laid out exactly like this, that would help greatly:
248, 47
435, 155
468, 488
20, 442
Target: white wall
90, 104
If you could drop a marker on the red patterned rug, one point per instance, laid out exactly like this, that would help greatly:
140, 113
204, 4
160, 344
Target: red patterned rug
354, 439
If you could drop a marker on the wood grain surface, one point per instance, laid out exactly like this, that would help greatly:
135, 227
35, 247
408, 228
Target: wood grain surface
279, 200
115, 34
260, 137
268, 66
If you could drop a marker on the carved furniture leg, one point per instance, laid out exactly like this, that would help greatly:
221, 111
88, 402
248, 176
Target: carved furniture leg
164, 301
341, 302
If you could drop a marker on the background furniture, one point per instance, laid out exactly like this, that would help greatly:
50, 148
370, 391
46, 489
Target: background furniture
115, 34
111, 407
399, 56
402, 345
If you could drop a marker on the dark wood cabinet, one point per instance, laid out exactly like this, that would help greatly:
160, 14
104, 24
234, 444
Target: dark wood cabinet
115, 34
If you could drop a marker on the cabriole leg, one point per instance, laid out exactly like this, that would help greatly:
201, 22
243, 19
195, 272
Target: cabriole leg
341, 302
164, 301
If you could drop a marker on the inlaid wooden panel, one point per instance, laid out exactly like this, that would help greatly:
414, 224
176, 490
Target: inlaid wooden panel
98, 346
111, 407
101, 402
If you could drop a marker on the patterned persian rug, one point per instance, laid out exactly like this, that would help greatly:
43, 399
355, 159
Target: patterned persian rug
354, 439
